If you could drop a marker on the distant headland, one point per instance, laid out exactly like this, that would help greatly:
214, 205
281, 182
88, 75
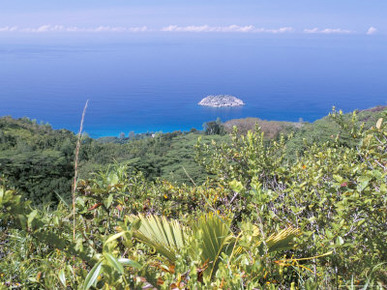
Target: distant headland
219, 101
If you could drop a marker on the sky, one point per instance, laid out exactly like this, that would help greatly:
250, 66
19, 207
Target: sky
198, 16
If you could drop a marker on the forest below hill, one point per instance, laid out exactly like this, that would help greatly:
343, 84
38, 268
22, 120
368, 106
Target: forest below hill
38, 160
245, 204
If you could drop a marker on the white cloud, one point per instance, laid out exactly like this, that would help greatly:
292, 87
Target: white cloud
43, 28
171, 28
139, 29
314, 30
61, 28
206, 28
328, 31
371, 30
280, 30
230, 28
175, 28
118, 29
8, 29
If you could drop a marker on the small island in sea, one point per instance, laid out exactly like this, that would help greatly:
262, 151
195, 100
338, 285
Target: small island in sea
219, 101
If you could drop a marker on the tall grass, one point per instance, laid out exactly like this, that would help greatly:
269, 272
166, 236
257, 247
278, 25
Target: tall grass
76, 165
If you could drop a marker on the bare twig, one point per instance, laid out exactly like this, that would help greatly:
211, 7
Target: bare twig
381, 165
76, 165
234, 197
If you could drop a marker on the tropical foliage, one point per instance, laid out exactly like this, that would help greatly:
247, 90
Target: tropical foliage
262, 219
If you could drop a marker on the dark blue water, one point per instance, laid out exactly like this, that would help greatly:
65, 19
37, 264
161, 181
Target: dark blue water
153, 82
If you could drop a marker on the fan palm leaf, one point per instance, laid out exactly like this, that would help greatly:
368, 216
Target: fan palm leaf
282, 240
211, 237
214, 238
167, 237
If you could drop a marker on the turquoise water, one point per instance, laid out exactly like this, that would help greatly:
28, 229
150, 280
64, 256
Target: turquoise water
153, 82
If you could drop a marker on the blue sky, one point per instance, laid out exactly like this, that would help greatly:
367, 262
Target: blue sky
255, 16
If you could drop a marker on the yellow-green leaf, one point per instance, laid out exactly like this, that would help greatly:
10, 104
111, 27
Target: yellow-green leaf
114, 262
92, 277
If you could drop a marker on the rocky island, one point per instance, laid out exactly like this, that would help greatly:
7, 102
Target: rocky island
219, 101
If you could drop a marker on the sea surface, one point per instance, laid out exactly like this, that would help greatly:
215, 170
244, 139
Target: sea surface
153, 82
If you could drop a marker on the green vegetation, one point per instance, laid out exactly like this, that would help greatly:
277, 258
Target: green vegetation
36, 159
290, 212
166, 156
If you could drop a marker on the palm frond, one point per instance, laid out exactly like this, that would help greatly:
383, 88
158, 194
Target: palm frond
166, 236
215, 238
282, 240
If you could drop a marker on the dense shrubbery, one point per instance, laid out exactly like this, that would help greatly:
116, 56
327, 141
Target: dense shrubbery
263, 220
36, 159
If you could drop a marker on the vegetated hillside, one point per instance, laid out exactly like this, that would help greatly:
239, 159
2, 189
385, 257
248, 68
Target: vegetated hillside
36, 159
39, 160
328, 130
272, 129
168, 156
261, 221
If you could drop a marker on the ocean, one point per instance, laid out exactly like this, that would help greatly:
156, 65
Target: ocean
152, 82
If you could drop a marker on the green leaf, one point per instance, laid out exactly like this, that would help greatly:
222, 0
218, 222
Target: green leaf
62, 200
109, 201
23, 221
338, 178
136, 224
2, 192
236, 186
62, 277
340, 241
31, 217
115, 237
363, 185
114, 262
129, 263
92, 277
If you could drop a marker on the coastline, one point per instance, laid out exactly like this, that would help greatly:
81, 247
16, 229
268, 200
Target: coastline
98, 126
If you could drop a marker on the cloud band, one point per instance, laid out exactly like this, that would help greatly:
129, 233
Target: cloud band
176, 29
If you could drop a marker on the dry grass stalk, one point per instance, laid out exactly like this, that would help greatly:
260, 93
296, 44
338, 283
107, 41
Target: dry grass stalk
76, 165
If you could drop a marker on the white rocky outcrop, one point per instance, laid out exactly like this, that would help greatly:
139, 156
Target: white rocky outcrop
221, 101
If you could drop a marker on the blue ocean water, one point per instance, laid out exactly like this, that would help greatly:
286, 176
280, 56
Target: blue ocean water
153, 82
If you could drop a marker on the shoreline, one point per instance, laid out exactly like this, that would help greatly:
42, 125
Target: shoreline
96, 132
